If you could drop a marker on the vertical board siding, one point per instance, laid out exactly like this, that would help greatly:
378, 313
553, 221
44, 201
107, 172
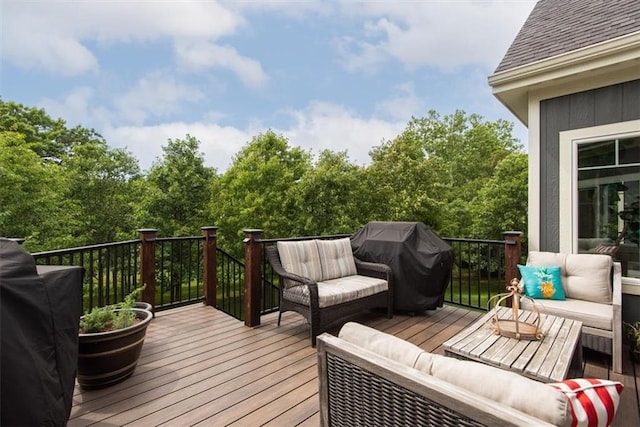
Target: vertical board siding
610, 104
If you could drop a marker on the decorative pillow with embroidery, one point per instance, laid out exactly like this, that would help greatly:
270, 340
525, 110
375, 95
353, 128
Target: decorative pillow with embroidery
592, 402
542, 282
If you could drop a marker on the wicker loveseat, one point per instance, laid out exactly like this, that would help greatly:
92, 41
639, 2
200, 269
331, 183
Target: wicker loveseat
369, 378
323, 281
592, 285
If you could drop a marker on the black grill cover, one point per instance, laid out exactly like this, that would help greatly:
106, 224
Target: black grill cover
420, 261
40, 311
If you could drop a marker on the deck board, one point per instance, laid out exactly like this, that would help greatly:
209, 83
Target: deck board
202, 367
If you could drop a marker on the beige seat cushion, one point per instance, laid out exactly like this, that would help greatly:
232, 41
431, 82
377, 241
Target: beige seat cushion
301, 258
336, 258
584, 276
337, 291
591, 314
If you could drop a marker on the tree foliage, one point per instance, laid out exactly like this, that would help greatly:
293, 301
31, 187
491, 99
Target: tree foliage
176, 190
64, 187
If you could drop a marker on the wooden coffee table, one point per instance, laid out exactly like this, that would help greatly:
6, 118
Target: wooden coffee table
554, 358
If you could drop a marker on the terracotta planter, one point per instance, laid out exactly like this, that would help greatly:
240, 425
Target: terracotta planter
107, 358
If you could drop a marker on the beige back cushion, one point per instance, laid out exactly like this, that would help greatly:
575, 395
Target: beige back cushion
589, 277
301, 258
381, 343
508, 388
584, 276
336, 258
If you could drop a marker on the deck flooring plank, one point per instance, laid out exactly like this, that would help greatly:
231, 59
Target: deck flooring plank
199, 365
299, 414
229, 374
268, 403
230, 406
227, 365
164, 371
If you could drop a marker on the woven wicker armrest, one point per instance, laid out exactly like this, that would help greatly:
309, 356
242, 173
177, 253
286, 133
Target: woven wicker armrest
373, 269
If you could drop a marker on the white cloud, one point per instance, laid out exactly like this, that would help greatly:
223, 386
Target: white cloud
74, 107
404, 105
439, 34
328, 126
319, 126
158, 94
218, 143
203, 55
54, 34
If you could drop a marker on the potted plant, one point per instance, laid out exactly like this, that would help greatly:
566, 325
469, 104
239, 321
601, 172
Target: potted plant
110, 342
633, 334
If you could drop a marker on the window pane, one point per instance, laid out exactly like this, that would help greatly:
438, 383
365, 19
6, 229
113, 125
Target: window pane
597, 154
629, 150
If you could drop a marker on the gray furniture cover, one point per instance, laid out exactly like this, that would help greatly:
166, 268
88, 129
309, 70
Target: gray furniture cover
420, 261
40, 310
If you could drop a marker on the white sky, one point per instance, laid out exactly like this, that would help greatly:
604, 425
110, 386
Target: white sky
340, 75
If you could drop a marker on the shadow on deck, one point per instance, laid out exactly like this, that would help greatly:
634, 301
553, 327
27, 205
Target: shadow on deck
202, 367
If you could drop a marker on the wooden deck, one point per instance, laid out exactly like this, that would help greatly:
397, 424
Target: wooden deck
202, 367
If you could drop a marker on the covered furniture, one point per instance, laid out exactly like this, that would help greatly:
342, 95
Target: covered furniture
367, 378
40, 311
323, 281
592, 284
420, 261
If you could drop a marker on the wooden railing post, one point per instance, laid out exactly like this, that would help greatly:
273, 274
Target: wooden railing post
210, 265
512, 253
252, 279
148, 264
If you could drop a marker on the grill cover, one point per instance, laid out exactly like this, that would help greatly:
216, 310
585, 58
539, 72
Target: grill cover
420, 261
39, 345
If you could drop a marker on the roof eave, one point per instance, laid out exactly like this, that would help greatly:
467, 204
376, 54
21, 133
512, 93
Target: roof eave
512, 86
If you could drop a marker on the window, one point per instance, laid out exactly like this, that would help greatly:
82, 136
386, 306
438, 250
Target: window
600, 195
609, 200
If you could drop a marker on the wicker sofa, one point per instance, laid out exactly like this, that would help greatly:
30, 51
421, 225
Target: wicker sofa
323, 281
592, 284
369, 378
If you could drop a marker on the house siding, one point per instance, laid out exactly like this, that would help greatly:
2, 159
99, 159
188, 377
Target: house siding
606, 105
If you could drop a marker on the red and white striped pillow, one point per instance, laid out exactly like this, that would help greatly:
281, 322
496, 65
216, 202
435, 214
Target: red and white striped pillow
592, 402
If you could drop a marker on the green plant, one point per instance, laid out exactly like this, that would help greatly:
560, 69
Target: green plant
111, 317
633, 333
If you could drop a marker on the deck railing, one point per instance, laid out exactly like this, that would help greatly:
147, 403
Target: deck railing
184, 270
175, 270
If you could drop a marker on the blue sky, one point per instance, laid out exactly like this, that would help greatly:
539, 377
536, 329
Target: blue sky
339, 75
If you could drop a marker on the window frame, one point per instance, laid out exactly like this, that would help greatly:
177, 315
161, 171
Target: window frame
568, 182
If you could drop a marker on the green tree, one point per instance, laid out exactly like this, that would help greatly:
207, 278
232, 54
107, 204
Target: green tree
434, 170
258, 190
32, 203
331, 196
101, 183
501, 204
400, 177
91, 189
177, 190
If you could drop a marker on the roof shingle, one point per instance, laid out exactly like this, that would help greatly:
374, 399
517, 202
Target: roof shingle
555, 27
